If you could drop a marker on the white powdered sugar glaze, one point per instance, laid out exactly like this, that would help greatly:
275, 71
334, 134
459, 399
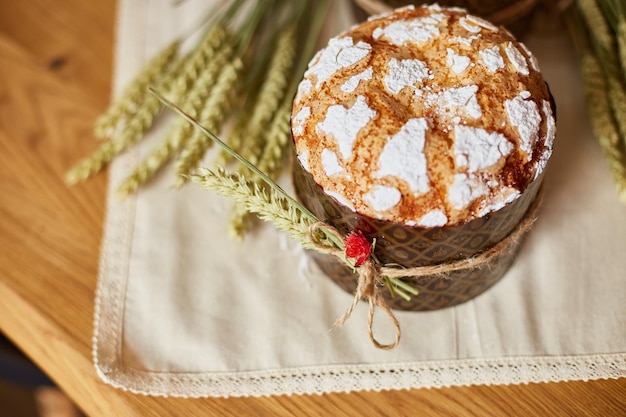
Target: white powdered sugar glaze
481, 22
331, 163
340, 53
517, 59
464, 189
404, 73
414, 30
492, 59
465, 41
478, 149
468, 25
434, 18
546, 108
457, 63
304, 88
453, 102
524, 115
382, 198
303, 158
403, 156
353, 82
507, 195
299, 120
345, 123
436, 7
433, 218
533, 60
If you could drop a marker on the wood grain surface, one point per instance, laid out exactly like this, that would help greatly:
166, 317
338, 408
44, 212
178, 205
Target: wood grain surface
55, 72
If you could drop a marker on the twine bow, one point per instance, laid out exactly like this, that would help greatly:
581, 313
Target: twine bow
370, 272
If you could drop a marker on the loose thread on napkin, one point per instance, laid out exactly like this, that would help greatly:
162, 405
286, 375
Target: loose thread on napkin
369, 273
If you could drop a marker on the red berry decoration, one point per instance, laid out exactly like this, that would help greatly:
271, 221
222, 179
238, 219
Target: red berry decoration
358, 247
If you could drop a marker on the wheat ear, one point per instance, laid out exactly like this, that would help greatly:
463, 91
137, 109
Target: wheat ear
596, 24
239, 221
621, 42
212, 116
211, 44
602, 121
620, 35
267, 204
235, 137
277, 140
181, 130
617, 98
131, 98
270, 95
132, 132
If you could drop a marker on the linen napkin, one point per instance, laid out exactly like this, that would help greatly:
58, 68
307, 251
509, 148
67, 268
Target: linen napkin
181, 310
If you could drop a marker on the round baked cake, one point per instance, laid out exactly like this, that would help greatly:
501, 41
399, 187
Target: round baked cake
425, 117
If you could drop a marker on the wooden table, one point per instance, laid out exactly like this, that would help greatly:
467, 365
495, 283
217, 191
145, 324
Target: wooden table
55, 72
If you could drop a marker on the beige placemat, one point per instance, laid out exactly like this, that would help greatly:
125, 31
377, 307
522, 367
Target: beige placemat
183, 311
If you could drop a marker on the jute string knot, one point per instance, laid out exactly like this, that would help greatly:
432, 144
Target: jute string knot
370, 273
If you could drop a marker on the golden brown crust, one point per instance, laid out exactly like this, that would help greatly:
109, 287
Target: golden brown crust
425, 116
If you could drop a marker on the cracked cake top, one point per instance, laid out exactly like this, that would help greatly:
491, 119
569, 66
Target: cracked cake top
423, 116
